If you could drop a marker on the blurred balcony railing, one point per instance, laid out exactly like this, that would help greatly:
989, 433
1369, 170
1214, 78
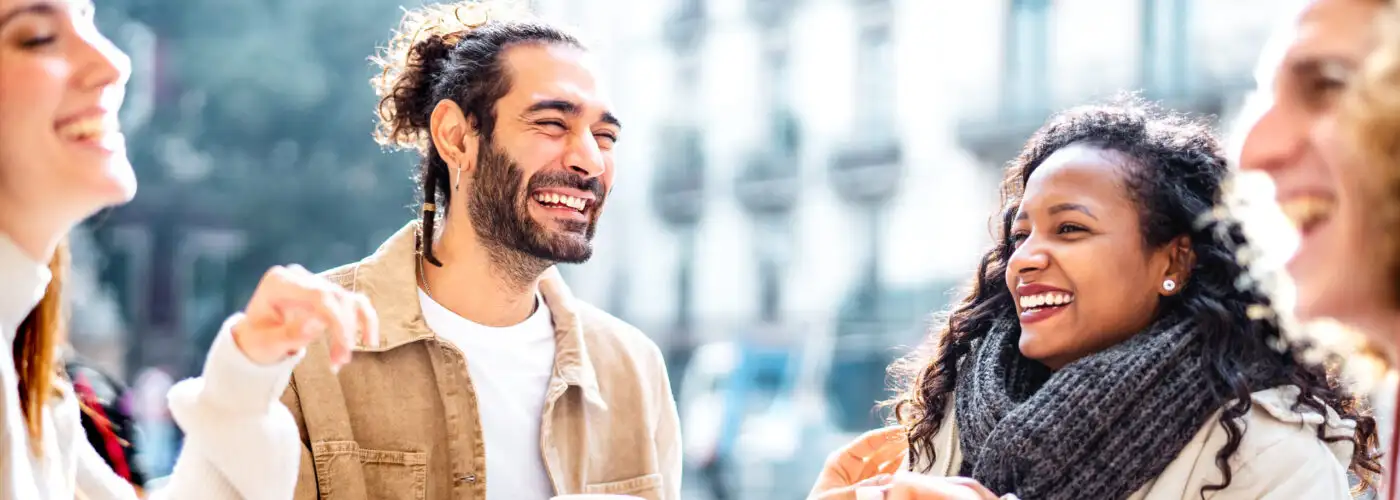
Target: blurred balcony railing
1170, 69
685, 25
769, 181
678, 188
868, 172
771, 13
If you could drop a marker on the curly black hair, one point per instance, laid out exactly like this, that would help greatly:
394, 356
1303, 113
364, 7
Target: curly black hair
1174, 175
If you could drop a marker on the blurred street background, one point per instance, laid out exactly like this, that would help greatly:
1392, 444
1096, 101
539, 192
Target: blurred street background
800, 185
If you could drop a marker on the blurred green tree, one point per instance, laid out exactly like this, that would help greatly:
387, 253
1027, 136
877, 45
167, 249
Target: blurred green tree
260, 123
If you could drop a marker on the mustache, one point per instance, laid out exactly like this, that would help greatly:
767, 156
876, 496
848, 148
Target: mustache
557, 179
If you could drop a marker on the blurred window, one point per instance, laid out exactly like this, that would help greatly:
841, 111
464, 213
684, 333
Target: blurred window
875, 78
1166, 46
1025, 81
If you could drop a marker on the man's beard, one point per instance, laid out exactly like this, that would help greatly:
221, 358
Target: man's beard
500, 213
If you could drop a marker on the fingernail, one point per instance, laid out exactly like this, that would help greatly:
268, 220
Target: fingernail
313, 327
335, 368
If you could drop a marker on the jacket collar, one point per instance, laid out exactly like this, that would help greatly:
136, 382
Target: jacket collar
389, 277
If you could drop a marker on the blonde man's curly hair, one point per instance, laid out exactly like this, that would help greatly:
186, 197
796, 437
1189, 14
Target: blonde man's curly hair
1371, 118
449, 51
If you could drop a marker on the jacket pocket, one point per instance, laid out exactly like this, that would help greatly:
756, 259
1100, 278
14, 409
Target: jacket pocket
388, 475
647, 487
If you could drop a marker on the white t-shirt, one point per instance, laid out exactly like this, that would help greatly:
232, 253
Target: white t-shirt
510, 369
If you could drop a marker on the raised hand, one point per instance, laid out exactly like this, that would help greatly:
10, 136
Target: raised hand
870, 460
293, 307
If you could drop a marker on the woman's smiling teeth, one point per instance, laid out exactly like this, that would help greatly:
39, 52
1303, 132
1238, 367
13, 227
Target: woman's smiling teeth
1045, 300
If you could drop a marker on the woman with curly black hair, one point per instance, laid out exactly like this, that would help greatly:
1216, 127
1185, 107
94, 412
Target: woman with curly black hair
1106, 348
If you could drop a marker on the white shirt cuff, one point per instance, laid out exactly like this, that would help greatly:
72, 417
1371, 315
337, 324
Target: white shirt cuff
234, 383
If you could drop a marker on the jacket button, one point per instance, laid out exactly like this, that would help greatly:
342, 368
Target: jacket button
469, 478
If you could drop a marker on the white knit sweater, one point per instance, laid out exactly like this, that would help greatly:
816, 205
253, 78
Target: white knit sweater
240, 442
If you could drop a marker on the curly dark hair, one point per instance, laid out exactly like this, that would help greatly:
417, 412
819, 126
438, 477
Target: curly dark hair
1175, 174
449, 51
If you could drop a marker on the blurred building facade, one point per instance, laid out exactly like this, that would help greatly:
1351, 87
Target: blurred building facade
250, 138
785, 160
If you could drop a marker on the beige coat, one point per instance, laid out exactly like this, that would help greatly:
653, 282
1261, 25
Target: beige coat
1280, 456
400, 421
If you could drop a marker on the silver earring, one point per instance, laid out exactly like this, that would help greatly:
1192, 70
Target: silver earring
458, 183
1169, 285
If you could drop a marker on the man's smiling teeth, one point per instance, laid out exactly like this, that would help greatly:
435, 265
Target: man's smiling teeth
1303, 211
573, 202
86, 129
1045, 299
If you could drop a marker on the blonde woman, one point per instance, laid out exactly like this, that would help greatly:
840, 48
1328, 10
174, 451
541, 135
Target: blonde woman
62, 158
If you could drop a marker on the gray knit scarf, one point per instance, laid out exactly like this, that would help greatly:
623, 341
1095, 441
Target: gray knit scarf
1101, 427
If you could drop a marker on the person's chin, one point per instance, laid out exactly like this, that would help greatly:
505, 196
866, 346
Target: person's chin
118, 191
125, 188
568, 246
1310, 301
1314, 281
576, 249
102, 193
1333, 296
110, 178
1032, 345
1042, 348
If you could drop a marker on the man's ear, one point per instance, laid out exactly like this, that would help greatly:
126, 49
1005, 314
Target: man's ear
454, 136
